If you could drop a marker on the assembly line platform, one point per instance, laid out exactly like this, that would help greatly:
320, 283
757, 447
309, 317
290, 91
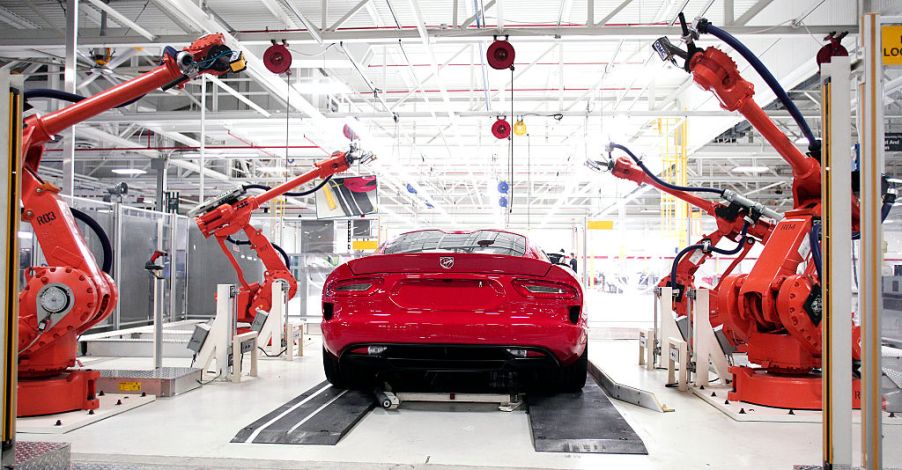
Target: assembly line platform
581, 422
163, 382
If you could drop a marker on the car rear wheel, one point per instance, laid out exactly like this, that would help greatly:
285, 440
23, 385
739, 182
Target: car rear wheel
333, 372
572, 378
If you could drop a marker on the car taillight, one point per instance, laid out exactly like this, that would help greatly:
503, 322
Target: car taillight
356, 286
543, 289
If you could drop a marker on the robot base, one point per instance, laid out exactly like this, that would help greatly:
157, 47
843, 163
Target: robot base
799, 392
69, 391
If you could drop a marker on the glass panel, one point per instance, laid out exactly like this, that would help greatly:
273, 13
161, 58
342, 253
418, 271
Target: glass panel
483, 241
179, 269
209, 266
139, 238
891, 322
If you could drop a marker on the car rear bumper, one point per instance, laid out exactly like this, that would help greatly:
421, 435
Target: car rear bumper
560, 341
451, 367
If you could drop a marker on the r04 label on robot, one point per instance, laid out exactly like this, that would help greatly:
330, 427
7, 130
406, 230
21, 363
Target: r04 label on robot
129, 386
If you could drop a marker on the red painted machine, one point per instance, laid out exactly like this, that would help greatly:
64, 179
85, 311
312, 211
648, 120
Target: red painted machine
739, 220
230, 213
72, 293
775, 309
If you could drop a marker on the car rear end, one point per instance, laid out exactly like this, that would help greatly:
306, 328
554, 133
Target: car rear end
494, 311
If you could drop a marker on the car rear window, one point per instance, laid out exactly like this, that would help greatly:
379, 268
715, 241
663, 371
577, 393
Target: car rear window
435, 241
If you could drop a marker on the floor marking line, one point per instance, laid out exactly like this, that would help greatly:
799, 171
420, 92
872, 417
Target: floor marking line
311, 415
257, 431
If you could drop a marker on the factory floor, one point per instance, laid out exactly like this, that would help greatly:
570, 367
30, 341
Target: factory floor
194, 430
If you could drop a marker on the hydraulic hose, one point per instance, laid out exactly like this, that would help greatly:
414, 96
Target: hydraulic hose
278, 248
814, 239
738, 46
295, 194
102, 237
64, 96
661, 182
700, 246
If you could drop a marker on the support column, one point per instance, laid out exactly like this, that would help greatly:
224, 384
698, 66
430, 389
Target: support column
836, 327
68, 184
203, 135
869, 290
161, 165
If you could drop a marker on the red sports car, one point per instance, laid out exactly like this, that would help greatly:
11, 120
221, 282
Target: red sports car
434, 303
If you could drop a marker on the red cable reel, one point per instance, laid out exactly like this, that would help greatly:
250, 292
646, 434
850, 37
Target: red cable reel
500, 54
501, 129
277, 58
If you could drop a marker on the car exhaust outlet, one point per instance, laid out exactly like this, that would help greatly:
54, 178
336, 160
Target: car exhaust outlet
517, 352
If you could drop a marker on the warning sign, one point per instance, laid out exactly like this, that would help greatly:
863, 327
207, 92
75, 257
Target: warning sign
891, 36
129, 386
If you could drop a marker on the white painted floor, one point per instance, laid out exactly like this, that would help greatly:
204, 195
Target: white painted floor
199, 425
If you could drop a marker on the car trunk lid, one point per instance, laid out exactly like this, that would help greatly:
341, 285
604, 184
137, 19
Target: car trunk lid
450, 263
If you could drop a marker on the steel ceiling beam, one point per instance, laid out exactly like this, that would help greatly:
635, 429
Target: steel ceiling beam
122, 19
353, 11
311, 29
44, 39
15, 20
753, 12
277, 11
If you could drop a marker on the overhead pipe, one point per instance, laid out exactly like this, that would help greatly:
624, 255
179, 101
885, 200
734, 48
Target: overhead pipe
468, 90
515, 63
191, 147
470, 27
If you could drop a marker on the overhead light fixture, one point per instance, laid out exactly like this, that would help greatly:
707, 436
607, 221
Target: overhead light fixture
894, 180
750, 169
129, 171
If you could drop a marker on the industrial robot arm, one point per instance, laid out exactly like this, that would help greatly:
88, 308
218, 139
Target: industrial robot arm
72, 293
231, 212
776, 308
738, 219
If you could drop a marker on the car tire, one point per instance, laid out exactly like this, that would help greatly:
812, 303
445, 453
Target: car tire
572, 377
332, 370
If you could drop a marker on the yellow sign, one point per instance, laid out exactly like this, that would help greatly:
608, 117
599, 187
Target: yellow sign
600, 225
362, 245
891, 40
129, 386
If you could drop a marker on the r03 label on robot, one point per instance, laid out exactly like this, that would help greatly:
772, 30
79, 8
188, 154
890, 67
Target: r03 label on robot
129, 386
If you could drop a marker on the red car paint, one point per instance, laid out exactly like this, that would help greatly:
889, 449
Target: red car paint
452, 298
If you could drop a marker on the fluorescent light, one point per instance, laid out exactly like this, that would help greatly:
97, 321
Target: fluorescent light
272, 169
129, 171
25, 235
750, 169
894, 180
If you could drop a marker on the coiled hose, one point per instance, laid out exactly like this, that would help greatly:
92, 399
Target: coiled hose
295, 194
102, 237
696, 189
743, 237
278, 248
